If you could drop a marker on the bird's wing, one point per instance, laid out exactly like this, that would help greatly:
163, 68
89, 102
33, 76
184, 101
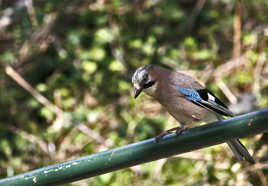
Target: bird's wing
182, 80
205, 99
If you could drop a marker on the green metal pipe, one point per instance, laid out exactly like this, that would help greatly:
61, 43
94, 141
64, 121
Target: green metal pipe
145, 151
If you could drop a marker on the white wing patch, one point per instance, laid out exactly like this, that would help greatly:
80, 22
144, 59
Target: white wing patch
211, 97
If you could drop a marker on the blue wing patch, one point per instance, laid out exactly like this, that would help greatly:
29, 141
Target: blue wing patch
205, 99
190, 94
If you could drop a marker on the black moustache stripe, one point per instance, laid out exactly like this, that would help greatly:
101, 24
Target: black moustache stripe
149, 84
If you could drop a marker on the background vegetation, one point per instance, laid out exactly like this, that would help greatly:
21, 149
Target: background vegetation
65, 82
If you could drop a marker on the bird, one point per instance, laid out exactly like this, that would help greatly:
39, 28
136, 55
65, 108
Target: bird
186, 100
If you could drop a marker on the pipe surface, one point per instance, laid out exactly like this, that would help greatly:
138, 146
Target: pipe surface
144, 151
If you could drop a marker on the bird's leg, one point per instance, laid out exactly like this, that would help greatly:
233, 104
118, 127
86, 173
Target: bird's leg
161, 135
178, 130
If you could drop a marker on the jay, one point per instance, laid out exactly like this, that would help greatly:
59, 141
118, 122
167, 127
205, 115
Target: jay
185, 99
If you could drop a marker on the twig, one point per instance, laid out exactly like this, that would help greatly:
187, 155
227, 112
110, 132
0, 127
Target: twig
227, 92
198, 7
237, 30
32, 138
260, 65
41, 99
262, 177
228, 66
263, 165
83, 128
258, 168
42, 37
31, 12
61, 115
226, 69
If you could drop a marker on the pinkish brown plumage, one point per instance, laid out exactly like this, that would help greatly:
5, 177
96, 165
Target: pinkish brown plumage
185, 112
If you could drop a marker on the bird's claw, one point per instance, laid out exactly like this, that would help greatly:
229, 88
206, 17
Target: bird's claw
178, 130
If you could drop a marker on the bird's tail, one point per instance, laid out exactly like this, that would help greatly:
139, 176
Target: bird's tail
240, 151
238, 148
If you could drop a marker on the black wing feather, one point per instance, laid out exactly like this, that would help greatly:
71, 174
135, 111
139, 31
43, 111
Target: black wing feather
214, 105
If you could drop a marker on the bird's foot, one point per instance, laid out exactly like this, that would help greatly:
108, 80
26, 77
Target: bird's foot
178, 130
160, 136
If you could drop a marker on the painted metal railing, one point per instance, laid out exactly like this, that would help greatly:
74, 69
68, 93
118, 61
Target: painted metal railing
144, 151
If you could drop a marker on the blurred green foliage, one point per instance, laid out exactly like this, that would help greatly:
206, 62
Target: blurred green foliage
81, 55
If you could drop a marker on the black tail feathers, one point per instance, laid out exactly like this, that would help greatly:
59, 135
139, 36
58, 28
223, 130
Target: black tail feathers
240, 151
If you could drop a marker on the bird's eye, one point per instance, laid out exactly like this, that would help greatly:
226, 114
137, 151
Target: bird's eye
149, 84
145, 77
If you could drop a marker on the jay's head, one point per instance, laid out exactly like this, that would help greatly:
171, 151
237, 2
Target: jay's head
143, 80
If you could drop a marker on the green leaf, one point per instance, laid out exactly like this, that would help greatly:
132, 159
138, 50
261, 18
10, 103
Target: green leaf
89, 66
47, 113
116, 65
104, 35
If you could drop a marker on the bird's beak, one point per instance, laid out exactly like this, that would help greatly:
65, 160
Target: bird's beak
137, 92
